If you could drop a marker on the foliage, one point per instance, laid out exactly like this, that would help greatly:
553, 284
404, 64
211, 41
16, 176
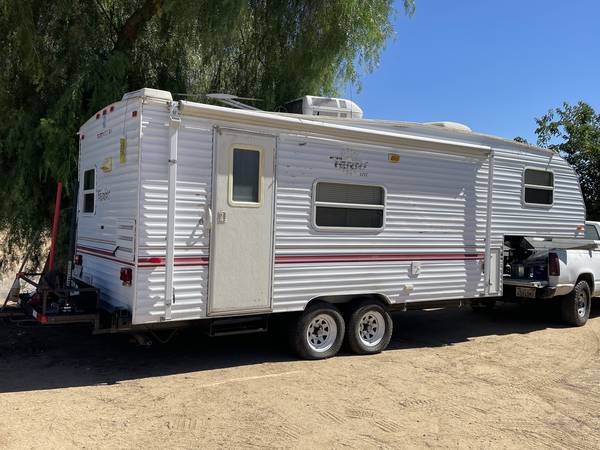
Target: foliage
521, 140
574, 132
63, 60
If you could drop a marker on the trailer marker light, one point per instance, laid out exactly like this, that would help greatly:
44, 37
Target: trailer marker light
553, 265
112, 108
77, 260
126, 276
97, 116
133, 113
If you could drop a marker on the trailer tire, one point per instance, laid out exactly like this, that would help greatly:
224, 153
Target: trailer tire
369, 329
318, 332
576, 305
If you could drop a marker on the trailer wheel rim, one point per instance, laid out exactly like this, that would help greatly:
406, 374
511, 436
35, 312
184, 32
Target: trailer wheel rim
371, 328
581, 304
321, 333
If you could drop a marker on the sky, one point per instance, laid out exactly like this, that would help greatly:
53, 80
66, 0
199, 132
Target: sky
492, 65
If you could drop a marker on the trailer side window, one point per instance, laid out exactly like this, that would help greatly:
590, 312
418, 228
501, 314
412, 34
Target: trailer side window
538, 187
245, 177
89, 190
341, 205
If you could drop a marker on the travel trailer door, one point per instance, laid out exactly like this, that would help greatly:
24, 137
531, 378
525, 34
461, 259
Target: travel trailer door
241, 253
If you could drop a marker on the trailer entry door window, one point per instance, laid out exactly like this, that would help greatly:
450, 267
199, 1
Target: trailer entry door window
538, 187
245, 177
341, 205
89, 191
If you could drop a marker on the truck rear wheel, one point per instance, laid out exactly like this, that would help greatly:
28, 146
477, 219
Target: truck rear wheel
319, 332
575, 306
369, 329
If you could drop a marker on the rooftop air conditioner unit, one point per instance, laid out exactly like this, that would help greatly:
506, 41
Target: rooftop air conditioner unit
324, 106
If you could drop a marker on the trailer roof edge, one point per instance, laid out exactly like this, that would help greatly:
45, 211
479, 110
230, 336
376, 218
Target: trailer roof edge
313, 127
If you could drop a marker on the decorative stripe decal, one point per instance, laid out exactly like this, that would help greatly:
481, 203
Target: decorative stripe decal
154, 261
104, 254
202, 261
159, 261
384, 257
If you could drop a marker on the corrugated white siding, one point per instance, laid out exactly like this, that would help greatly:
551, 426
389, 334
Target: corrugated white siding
193, 194
436, 204
511, 217
116, 198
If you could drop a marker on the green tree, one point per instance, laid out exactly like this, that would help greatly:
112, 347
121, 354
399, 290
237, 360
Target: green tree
63, 60
521, 140
574, 132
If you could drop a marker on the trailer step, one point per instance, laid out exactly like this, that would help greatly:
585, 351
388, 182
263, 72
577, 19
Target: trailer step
240, 325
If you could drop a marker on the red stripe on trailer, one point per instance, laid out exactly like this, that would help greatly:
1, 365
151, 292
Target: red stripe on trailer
104, 254
295, 259
159, 261
152, 261
156, 261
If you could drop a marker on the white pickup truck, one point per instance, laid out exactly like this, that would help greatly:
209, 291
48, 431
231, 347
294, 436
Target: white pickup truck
567, 269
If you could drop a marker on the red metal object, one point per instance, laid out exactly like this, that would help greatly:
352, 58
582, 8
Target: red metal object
54, 227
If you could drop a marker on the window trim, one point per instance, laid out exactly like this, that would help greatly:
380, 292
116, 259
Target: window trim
237, 204
315, 204
88, 191
537, 186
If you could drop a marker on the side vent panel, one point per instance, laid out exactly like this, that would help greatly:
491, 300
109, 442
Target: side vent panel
125, 239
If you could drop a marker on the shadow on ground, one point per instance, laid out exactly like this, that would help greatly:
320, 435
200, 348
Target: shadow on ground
34, 357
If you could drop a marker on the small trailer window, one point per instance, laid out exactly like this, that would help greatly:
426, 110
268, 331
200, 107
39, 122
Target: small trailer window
89, 191
245, 177
538, 187
341, 205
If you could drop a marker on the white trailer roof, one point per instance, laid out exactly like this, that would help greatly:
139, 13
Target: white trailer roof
313, 126
427, 136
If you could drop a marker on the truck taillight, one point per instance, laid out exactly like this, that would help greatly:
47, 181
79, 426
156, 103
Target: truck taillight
126, 276
553, 264
77, 260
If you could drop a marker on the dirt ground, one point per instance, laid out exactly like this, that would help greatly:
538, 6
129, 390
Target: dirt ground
512, 377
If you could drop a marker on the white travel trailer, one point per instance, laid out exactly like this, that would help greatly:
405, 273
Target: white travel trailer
189, 212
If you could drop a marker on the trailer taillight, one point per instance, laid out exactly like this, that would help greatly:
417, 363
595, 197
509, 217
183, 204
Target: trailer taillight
77, 260
126, 276
553, 264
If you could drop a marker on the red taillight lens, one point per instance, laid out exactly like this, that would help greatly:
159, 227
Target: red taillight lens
126, 276
553, 264
77, 260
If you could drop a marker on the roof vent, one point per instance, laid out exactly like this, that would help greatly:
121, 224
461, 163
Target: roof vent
450, 126
324, 106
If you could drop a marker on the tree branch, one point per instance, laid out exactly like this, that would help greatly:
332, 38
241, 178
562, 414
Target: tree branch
136, 22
